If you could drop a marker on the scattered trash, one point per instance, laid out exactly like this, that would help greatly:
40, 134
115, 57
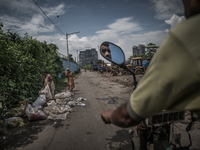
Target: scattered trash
63, 95
14, 122
81, 99
58, 108
61, 101
41, 100
46, 91
81, 104
51, 103
71, 103
34, 113
60, 116
16, 112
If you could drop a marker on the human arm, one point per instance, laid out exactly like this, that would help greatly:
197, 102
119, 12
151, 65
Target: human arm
119, 117
166, 85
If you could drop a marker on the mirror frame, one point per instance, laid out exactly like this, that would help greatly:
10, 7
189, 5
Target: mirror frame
120, 65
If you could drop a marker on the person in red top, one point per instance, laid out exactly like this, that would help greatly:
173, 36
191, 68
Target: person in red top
47, 80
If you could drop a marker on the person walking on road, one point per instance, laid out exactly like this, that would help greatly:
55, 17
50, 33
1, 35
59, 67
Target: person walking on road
47, 80
69, 76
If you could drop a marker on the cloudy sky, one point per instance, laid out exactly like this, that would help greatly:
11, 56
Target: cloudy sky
123, 22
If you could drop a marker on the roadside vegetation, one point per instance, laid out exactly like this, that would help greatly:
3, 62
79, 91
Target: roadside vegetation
63, 83
87, 67
22, 62
151, 50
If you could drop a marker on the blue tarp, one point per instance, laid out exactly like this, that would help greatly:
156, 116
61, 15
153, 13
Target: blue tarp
73, 67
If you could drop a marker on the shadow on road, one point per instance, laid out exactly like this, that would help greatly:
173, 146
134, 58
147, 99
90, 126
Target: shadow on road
28, 134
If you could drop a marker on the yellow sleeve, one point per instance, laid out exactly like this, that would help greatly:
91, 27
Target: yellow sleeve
168, 82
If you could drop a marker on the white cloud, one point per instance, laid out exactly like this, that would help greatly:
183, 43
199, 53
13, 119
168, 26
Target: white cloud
57, 10
167, 30
124, 32
36, 23
24, 6
166, 8
174, 20
115, 34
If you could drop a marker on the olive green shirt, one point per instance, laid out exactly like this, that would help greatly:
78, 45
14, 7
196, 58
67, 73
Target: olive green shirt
172, 80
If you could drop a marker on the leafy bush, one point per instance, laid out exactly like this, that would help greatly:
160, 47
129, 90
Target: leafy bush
22, 62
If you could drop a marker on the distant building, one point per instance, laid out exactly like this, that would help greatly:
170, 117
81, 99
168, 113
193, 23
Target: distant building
138, 50
88, 56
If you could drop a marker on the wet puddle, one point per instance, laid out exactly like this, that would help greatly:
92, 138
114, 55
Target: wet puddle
112, 102
123, 134
105, 99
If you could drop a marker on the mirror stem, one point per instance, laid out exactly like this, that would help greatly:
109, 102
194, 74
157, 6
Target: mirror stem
134, 78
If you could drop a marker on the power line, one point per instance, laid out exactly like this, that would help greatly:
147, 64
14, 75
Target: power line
52, 22
48, 17
71, 45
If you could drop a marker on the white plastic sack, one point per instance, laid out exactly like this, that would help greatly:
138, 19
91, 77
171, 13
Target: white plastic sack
52, 103
71, 103
57, 110
81, 99
63, 95
81, 104
46, 91
64, 109
7, 121
34, 113
61, 101
41, 100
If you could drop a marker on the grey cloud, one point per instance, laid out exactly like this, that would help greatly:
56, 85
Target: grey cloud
166, 8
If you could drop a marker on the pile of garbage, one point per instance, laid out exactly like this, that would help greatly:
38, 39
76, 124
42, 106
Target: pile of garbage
44, 107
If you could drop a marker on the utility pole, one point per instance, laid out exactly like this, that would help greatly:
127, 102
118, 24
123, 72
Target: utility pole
67, 44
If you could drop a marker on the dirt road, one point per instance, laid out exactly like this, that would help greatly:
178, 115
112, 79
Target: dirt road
84, 129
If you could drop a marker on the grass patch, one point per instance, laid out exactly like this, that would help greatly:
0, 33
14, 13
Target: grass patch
63, 83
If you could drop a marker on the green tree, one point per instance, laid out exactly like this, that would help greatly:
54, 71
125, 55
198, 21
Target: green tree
151, 50
71, 58
22, 62
99, 61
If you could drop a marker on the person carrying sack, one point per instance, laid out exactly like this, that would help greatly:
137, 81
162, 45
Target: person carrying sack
47, 80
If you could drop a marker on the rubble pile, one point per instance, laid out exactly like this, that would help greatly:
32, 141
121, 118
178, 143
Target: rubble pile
55, 108
44, 107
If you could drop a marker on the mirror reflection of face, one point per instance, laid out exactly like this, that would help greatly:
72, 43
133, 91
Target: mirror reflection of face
106, 51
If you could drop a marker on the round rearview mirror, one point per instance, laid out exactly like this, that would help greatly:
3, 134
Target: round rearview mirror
112, 53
